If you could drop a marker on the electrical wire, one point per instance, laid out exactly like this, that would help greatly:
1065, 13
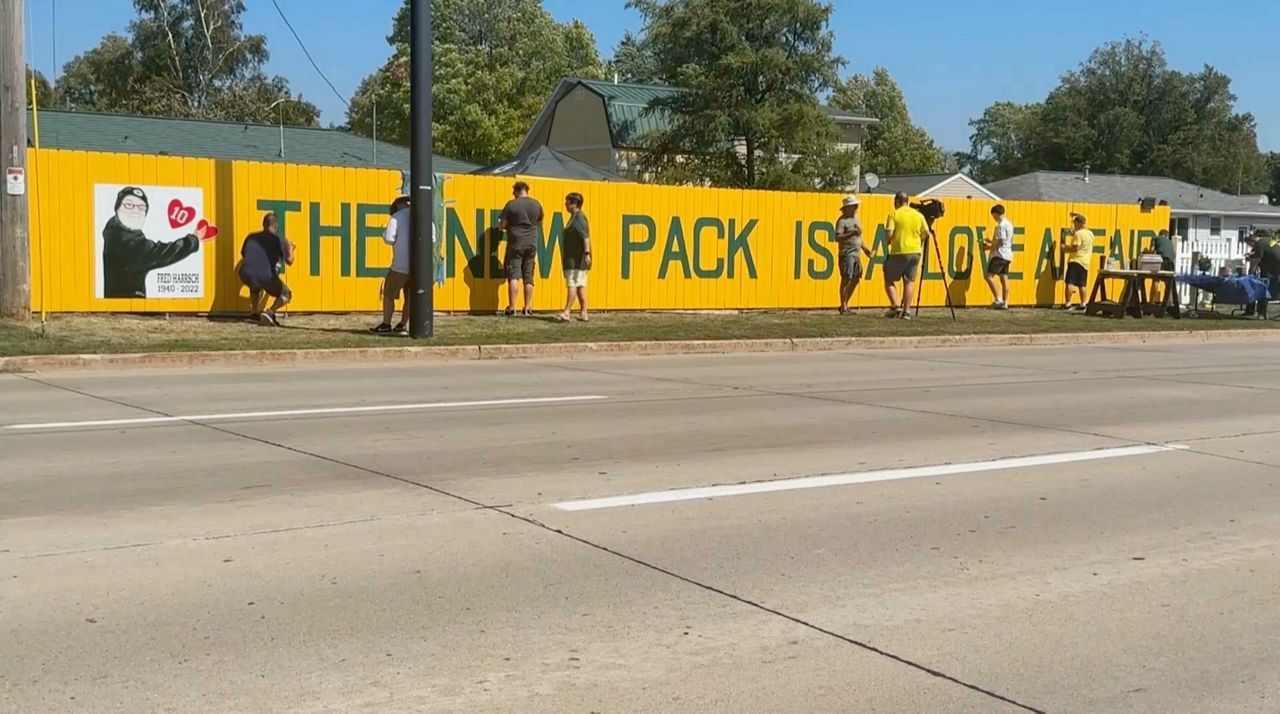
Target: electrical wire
310, 59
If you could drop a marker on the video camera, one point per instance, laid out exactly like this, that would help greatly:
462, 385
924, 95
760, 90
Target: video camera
932, 209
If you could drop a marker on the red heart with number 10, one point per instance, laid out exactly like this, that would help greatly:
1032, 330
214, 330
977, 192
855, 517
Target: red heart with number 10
180, 215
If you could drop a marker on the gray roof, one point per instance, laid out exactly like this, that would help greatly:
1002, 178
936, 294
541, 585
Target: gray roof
627, 104
123, 133
911, 184
1070, 186
548, 162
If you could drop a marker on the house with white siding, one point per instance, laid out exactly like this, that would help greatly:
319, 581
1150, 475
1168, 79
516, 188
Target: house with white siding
1205, 222
955, 185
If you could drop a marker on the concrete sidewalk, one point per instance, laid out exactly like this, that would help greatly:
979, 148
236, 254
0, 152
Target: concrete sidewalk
453, 353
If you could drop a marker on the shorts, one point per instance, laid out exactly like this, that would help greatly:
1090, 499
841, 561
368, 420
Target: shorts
1167, 265
273, 286
576, 278
519, 263
850, 266
394, 284
1077, 275
997, 266
902, 266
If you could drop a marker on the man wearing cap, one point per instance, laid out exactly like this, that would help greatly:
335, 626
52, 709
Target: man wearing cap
397, 279
849, 238
127, 255
1080, 252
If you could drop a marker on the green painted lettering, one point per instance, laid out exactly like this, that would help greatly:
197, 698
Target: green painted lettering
455, 238
879, 251
342, 232
1017, 248
676, 250
739, 242
799, 248
698, 227
819, 246
1047, 254
1117, 248
958, 273
493, 237
629, 246
364, 231
282, 209
548, 241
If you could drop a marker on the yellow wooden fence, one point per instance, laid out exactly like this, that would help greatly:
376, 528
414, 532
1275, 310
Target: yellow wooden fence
654, 247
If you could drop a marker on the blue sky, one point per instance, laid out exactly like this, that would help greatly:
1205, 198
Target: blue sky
963, 61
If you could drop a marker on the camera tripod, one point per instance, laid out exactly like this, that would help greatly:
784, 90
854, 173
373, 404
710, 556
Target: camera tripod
937, 252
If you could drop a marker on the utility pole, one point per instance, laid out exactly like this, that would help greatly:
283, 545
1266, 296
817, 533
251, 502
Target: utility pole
421, 270
15, 246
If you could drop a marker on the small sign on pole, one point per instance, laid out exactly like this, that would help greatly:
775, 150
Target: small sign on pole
15, 181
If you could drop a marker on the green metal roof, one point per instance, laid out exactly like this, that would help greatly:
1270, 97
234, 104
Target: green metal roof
122, 133
626, 105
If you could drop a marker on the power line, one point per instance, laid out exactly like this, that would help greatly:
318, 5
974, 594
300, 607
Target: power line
310, 59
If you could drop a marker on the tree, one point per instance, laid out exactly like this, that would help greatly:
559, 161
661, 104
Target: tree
751, 72
1125, 111
44, 93
895, 145
1003, 141
183, 58
496, 62
633, 61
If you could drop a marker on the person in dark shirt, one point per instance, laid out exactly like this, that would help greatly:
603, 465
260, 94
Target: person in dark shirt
1162, 245
522, 222
261, 259
127, 254
1265, 258
575, 257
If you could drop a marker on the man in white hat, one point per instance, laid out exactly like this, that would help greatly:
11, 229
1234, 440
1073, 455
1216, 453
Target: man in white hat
849, 238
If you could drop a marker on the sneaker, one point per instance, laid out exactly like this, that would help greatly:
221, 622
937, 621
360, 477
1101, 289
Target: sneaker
383, 329
509, 312
997, 305
1002, 306
268, 319
891, 313
1067, 308
904, 315
401, 329
1078, 308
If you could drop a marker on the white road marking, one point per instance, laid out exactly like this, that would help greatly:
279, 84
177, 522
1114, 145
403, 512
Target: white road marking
329, 411
794, 484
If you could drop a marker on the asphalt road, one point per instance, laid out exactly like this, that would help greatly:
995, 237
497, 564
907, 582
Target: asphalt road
427, 549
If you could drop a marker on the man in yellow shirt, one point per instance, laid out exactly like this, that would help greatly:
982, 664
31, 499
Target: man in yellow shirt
908, 231
1080, 253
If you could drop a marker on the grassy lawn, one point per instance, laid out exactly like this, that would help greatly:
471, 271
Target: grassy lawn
76, 334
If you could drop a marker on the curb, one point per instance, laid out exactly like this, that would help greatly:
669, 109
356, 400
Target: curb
42, 363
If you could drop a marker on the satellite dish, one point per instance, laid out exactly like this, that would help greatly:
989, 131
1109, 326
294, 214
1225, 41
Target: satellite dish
873, 181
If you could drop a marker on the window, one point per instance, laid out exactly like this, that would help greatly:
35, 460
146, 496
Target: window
1242, 233
1215, 226
1180, 227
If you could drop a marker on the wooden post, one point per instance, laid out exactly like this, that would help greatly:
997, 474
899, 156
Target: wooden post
15, 246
